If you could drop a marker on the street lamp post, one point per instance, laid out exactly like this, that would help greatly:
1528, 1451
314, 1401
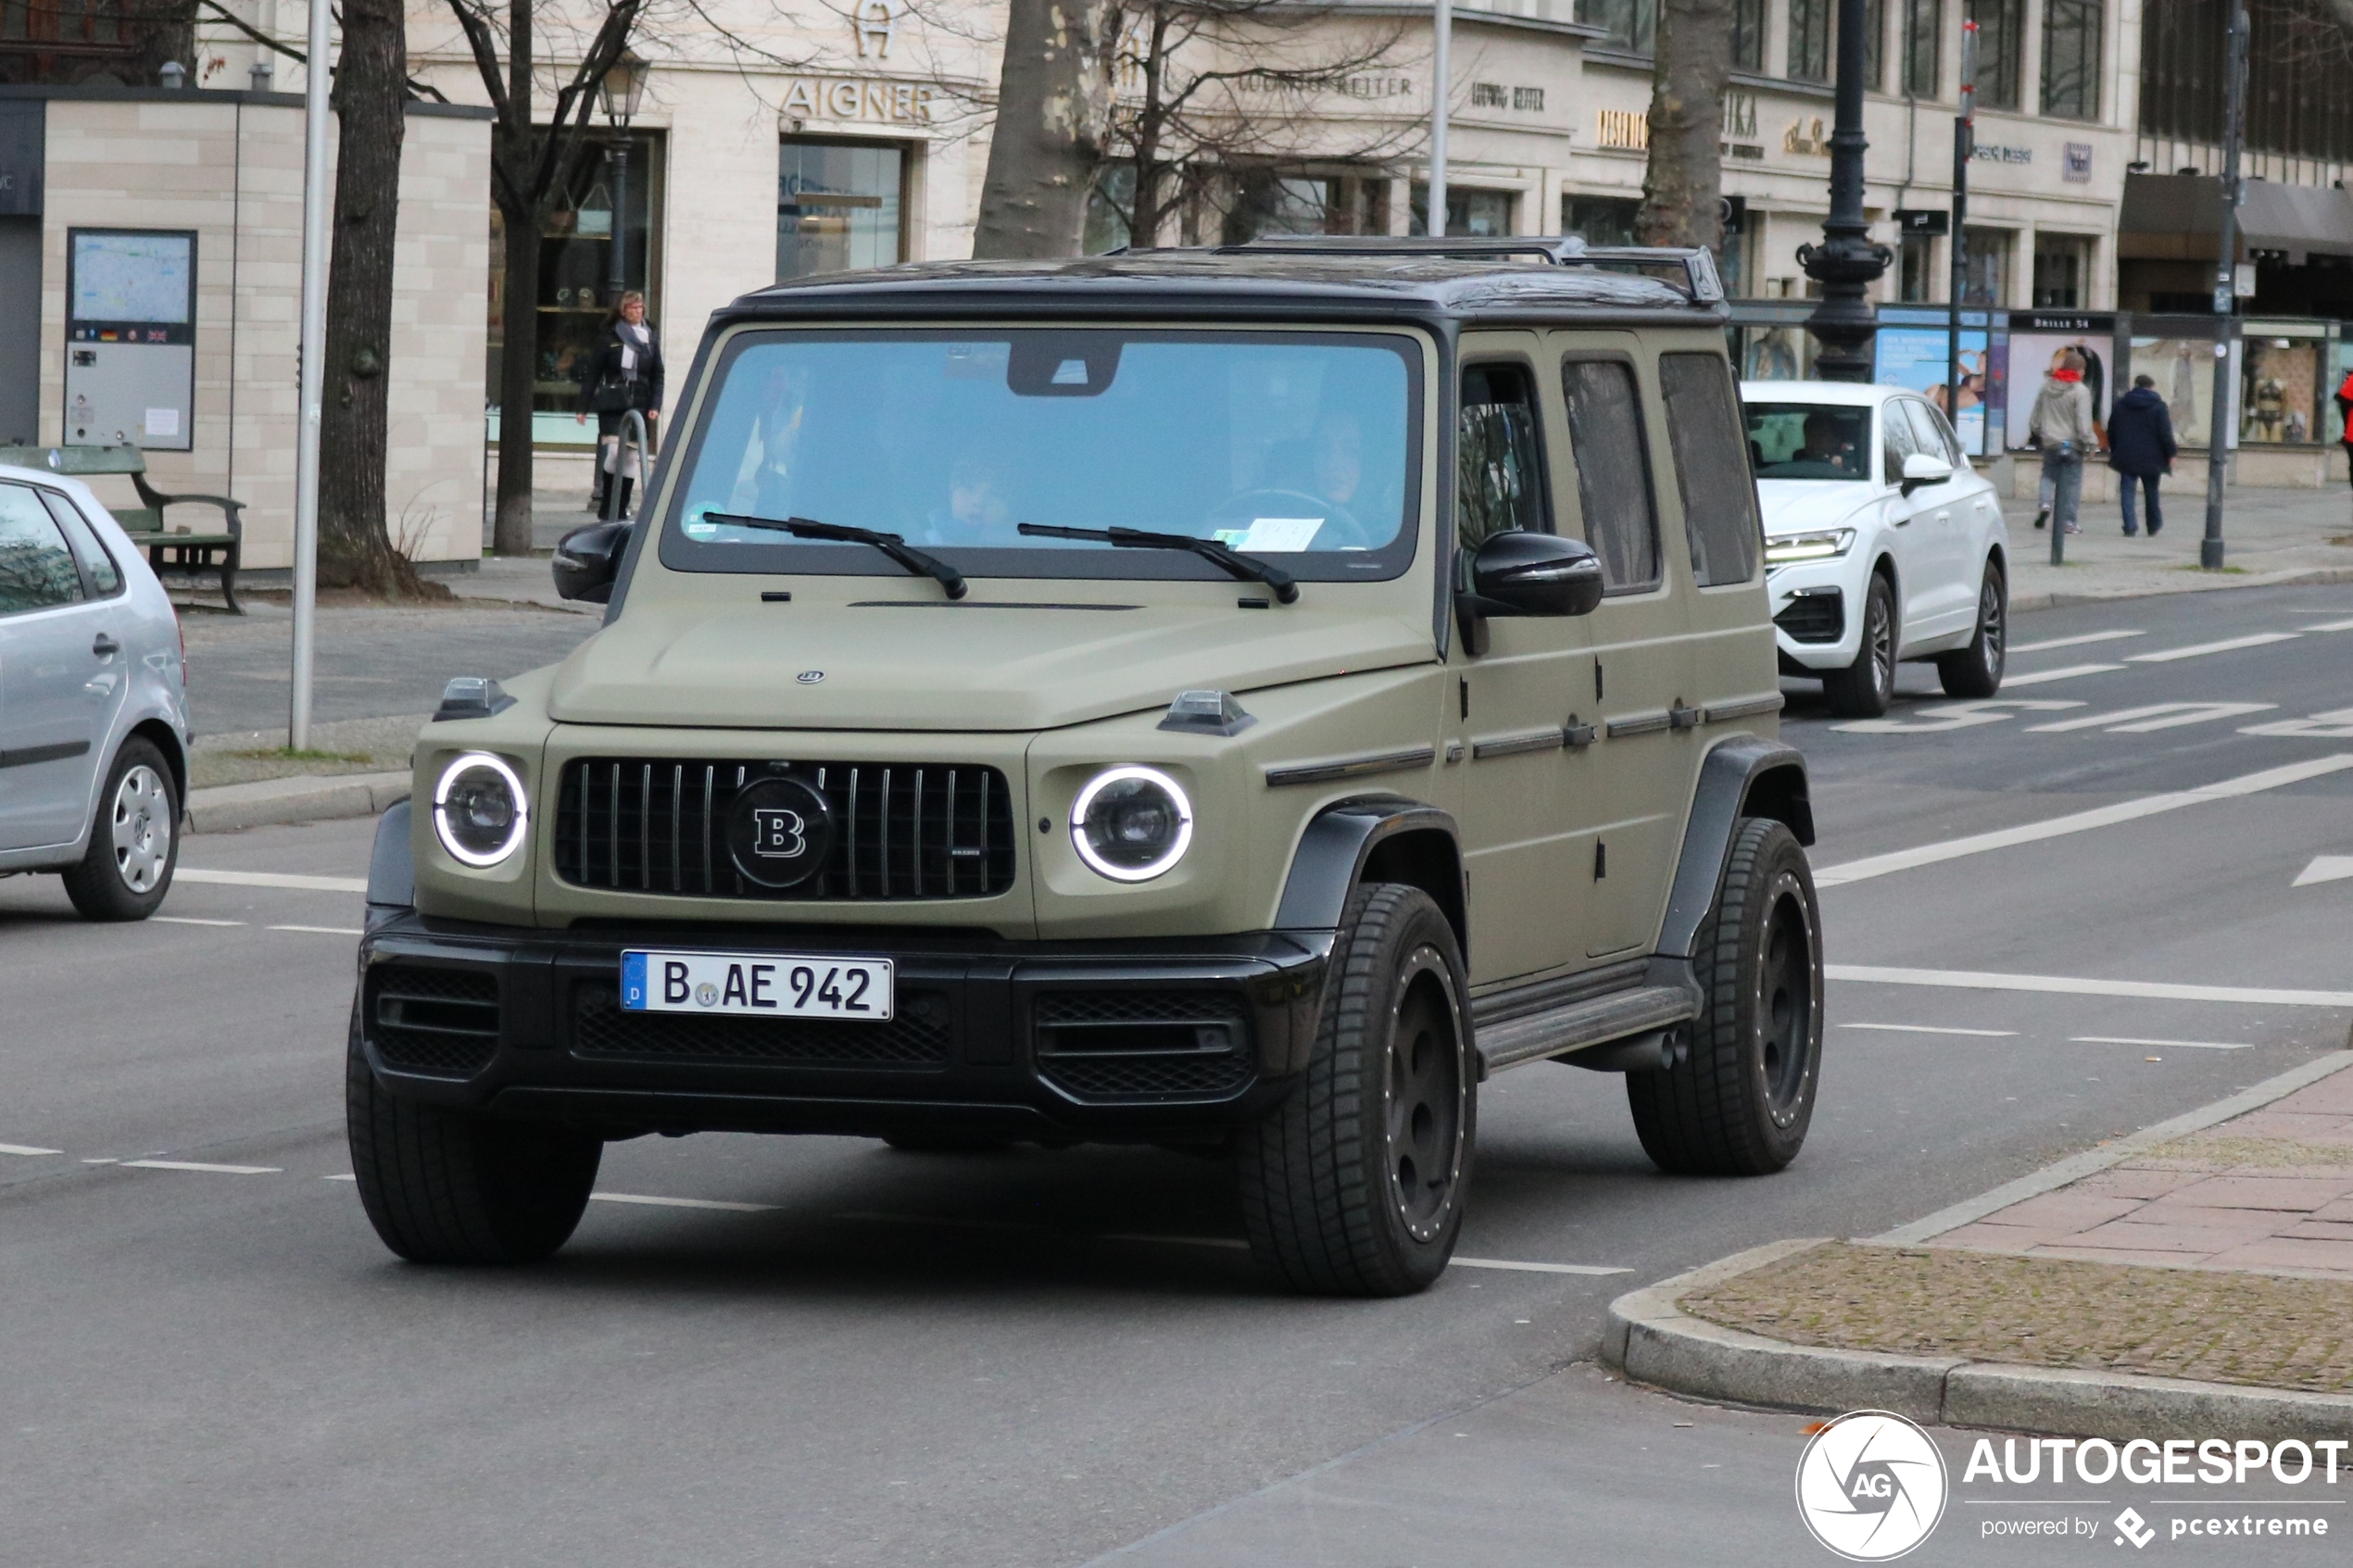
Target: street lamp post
2217, 452
1964, 148
623, 85
1846, 262
312, 376
1442, 42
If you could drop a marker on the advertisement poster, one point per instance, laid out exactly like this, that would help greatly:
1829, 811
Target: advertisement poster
2034, 356
1915, 358
2183, 370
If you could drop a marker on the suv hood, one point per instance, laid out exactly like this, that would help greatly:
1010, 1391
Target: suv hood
1800, 506
917, 664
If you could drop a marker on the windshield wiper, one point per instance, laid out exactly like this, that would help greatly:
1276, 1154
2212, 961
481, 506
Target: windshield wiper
891, 545
1210, 550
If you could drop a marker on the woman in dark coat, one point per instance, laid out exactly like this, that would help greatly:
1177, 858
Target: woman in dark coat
2141, 449
624, 374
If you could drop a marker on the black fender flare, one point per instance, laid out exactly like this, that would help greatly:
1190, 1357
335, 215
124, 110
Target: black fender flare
1746, 775
1348, 836
392, 871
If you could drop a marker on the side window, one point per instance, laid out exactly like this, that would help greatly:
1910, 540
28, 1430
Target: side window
1499, 456
1895, 442
1613, 470
36, 569
105, 578
1934, 436
1711, 467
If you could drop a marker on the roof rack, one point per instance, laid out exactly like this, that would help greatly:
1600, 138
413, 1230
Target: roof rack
1696, 264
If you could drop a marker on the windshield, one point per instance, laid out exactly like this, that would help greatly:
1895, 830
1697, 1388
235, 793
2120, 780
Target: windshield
1809, 441
1293, 446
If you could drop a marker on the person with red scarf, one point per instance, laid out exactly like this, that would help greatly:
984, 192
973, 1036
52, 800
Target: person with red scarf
2063, 428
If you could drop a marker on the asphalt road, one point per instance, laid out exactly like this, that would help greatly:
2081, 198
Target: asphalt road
1046, 1358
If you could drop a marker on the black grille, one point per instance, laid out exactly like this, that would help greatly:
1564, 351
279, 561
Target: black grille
903, 831
443, 1022
1814, 617
1101, 1045
916, 1037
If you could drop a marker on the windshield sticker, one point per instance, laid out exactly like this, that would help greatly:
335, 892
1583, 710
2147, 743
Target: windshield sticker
1273, 534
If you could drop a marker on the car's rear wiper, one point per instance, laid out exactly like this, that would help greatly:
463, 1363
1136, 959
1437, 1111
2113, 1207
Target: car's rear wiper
891, 545
1286, 587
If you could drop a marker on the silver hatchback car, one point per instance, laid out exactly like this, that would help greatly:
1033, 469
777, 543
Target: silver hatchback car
94, 711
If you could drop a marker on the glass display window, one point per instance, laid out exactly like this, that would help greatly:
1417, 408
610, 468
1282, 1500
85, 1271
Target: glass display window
2280, 391
839, 205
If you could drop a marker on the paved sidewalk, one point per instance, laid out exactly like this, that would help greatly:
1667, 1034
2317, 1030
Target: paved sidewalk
2269, 537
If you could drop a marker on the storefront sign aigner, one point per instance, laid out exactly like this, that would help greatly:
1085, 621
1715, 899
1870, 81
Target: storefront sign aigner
849, 97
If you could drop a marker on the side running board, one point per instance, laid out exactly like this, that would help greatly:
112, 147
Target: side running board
1574, 1026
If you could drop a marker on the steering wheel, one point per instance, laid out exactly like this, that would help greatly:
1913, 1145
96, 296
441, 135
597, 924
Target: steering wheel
1340, 528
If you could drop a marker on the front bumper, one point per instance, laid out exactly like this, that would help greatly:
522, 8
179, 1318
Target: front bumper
1816, 610
1057, 1041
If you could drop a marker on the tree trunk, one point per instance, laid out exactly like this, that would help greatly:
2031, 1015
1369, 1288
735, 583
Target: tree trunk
511, 144
1052, 109
354, 548
1682, 186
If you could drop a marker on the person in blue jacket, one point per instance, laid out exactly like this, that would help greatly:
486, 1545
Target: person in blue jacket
2141, 449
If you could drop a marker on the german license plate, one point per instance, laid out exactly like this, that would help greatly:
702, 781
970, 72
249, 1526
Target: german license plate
758, 985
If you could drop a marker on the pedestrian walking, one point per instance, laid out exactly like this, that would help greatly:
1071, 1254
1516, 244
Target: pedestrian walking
2344, 414
624, 374
2063, 427
2141, 449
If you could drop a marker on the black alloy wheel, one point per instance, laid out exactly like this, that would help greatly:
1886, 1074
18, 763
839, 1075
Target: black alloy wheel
1976, 671
1864, 689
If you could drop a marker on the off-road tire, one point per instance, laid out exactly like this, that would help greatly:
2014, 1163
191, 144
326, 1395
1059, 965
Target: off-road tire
125, 872
1739, 1103
1337, 1193
1976, 671
1864, 688
445, 1187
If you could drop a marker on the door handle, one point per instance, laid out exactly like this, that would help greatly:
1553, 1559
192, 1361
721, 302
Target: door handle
105, 646
1682, 718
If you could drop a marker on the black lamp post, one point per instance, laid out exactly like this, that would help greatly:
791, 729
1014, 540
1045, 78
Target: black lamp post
624, 84
1846, 261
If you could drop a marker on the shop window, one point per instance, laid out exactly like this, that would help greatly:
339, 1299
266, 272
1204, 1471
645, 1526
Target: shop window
2062, 272
1272, 202
1923, 47
1631, 24
837, 207
1987, 268
1748, 34
2071, 35
1917, 270
1475, 214
1811, 23
2280, 398
2001, 41
1600, 221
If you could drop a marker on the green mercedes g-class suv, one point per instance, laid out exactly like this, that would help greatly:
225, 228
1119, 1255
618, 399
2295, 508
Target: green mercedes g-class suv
1237, 698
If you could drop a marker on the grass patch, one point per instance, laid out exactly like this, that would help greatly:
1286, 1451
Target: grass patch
289, 754
2225, 570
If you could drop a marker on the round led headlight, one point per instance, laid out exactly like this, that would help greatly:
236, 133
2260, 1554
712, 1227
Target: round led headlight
480, 809
1131, 824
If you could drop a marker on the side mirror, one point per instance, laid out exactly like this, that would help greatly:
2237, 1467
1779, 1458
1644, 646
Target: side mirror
1526, 574
588, 561
1920, 468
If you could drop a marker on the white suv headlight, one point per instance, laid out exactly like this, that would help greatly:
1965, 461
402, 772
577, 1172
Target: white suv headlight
1131, 824
480, 809
1827, 544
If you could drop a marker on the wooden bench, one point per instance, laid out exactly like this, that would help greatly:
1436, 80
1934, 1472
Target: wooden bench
176, 549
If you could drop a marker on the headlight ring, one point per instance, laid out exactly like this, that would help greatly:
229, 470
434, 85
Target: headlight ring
1131, 824
481, 811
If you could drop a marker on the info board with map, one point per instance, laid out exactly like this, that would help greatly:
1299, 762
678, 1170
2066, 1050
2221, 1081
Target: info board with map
130, 338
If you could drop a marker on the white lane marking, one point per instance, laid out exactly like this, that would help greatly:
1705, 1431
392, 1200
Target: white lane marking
2130, 1040
1947, 716
2335, 725
2199, 650
2074, 642
2036, 678
346, 1176
322, 930
26, 1148
273, 879
104, 1159
1536, 1268
2066, 985
2077, 1166
201, 1165
2323, 626
2325, 868
1932, 1029
191, 920
2079, 821
681, 1202
2154, 717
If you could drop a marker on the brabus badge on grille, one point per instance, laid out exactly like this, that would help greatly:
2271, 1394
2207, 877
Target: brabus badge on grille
810, 677
779, 832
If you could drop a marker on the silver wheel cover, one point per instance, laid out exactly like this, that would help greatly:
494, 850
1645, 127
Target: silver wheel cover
143, 829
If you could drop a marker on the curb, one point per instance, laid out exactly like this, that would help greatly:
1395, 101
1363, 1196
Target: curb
2025, 604
307, 797
1651, 1339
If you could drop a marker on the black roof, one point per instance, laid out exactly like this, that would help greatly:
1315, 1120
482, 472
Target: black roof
1522, 281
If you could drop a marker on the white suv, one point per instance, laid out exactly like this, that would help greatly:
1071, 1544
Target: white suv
1882, 543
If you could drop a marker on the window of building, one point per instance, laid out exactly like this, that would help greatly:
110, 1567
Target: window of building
1275, 202
1986, 268
1499, 485
2062, 272
1600, 221
1748, 34
1711, 467
1874, 44
1109, 208
838, 205
2073, 31
1631, 24
1915, 270
2001, 42
1478, 214
1923, 47
1613, 471
577, 295
1811, 23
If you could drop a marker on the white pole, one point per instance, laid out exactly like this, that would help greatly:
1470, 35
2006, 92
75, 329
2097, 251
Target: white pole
314, 367
1440, 78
